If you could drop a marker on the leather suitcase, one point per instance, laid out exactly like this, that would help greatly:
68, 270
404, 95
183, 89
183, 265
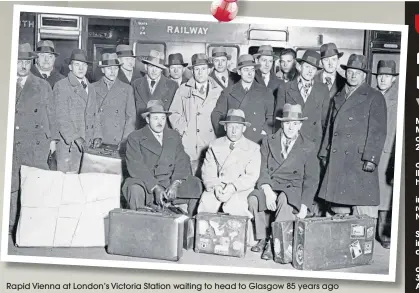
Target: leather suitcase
283, 238
333, 243
105, 159
146, 234
221, 234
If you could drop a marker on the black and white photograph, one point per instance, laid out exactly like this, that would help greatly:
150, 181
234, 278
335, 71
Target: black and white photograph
170, 141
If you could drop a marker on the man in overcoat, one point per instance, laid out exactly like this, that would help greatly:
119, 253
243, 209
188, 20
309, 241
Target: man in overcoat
221, 74
353, 144
288, 65
159, 169
128, 73
33, 130
191, 111
77, 114
44, 64
153, 86
387, 84
115, 101
177, 68
288, 177
254, 99
231, 169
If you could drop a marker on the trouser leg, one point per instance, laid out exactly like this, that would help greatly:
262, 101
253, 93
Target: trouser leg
284, 212
135, 197
261, 219
371, 211
68, 160
384, 225
208, 203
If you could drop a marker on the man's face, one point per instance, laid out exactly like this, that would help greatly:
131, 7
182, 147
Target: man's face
46, 61
291, 128
220, 64
234, 131
266, 63
111, 72
200, 73
287, 63
308, 71
330, 63
176, 71
128, 63
23, 67
153, 72
157, 121
385, 81
78, 68
354, 77
247, 73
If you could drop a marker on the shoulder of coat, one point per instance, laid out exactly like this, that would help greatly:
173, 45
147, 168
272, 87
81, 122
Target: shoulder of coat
252, 145
217, 142
170, 82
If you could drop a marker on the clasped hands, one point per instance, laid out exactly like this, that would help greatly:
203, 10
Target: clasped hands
224, 193
162, 196
82, 145
271, 197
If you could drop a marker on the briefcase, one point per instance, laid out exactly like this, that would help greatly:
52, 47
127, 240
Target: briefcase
283, 238
146, 234
221, 234
105, 159
333, 243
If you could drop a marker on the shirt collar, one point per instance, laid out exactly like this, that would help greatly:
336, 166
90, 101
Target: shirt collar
246, 85
350, 90
108, 83
156, 135
156, 80
48, 73
225, 73
268, 75
23, 79
302, 81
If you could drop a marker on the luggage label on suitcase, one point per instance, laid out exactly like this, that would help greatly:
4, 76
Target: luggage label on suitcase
283, 238
221, 234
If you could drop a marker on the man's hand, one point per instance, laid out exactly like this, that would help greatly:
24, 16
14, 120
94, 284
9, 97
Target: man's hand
218, 191
270, 197
97, 142
226, 193
368, 166
159, 195
263, 132
172, 190
303, 212
53, 146
80, 143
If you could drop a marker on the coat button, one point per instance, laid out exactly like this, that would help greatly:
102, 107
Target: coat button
335, 134
272, 169
288, 186
36, 110
36, 125
346, 152
170, 165
17, 127
87, 127
37, 142
198, 113
165, 100
18, 143
254, 129
348, 135
92, 127
295, 172
221, 174
254, 113
210, 130
155, 166
334, 151
350, 118
197, 130
117, 111
314, 123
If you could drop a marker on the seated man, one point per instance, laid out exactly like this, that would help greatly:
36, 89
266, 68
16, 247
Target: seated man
288, 177
230, 169
159, 169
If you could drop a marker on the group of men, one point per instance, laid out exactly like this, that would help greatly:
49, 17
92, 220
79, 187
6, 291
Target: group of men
250, 142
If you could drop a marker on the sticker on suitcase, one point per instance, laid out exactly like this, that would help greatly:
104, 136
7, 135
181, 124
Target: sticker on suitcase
277, 247
204, 243
368, 247
355, 249
300, 254
357, 231
370, 232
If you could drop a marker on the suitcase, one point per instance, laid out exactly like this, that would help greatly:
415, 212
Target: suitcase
221, 234
105, 159
146, 234
283, 238
333, 243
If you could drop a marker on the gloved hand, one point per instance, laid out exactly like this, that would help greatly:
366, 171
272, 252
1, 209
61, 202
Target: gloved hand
303, 212
270, 197
80, 143
172, 190
368, 166
97, 142
159, 195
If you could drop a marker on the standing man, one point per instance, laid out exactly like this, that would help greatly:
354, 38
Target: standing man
78, 120
288, 69
387, 85
44, 64
153, 86
115, 102
221, 74
254, 99
177, 68
34, 131
191, 111
355, 139
159, 169
126, 57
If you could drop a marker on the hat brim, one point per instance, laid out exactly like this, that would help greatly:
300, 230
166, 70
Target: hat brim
53, 53
345, 67
255, 65
340, 54
376, 73
291, 119
228, 56
210, 65
245, 123
299, 60
27, 58
145, 114
257, 55
68, 60
161, 66
109, 65
183, 64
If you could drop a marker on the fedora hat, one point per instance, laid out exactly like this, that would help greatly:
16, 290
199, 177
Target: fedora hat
154, 106
235, 116
311, 57
266, 50
220, 52
176, 59
357, 62
155, 58
124, 51
386, 67
25, 52
109, 59
78, 55
292, 113
329, 50
46, 46
246, 60
200, 59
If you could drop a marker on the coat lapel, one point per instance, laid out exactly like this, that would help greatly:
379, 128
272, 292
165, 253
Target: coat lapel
357, 97
238, 153
78, 88
144, 90
123, 77
276, 149
161, 88
169, 145
238, 93
219, 82
27, 88
150, 142
294, 93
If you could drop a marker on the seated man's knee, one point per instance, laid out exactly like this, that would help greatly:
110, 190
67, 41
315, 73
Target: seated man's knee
253, 202
136, 196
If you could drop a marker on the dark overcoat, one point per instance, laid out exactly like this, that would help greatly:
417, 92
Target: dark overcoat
150, 163
257, 105
232, 78
296, 176
33, 129
356, 134
165, 91
275, 84
52, 79
116, 109
136, 75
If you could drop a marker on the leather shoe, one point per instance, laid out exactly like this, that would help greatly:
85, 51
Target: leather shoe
267, 253
258, 247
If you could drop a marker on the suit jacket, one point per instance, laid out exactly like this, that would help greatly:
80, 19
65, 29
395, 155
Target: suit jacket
116, 108
337, 86
137, 74
296, 176
52, 79
257, 105
275, 84
165, 91
232, 78
356, 133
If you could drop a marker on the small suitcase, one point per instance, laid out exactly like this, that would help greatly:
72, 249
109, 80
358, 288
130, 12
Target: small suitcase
333, 243
105, 159
283, 236
221, 234
146, 234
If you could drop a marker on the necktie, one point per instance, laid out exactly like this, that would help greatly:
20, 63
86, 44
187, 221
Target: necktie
83, 84
265, 78
328, 80
19, 82
223, 79
246, 89
287, 144
202, 90
44, 76
153, 82
232, 146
